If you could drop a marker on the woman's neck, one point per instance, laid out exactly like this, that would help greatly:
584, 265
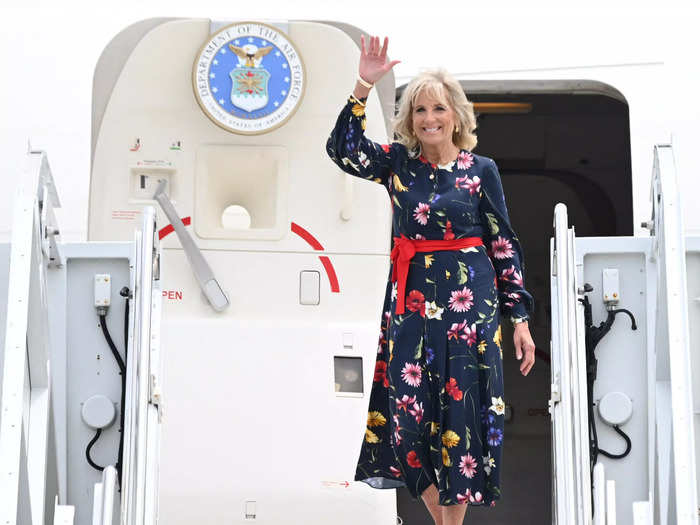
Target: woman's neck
439, 153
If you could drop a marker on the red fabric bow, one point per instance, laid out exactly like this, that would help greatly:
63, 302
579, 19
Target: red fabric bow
404, 250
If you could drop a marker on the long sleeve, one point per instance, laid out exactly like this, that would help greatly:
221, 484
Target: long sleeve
354, 153
503, 246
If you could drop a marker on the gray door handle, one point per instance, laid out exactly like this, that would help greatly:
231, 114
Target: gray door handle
201, 269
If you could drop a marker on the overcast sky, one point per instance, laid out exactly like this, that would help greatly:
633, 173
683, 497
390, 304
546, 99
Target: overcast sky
48, 51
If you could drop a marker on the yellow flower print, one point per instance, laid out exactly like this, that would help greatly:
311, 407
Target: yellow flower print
482, 347
497, 337
429, 260
446, 458
391, 349
447, 274
434, 428
364, 123
375, 419
450, 439
358, 110
398, 186
371, 437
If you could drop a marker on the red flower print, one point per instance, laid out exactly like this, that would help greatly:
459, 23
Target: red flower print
453, 390
502, 248
380, 373
385, 147
416, 302
448, 236
412, 459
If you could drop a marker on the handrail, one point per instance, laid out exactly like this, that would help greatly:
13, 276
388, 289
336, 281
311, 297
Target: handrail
26, 453
143, 403
672, 343
572, 490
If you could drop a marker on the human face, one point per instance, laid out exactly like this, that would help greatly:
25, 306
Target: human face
433, 121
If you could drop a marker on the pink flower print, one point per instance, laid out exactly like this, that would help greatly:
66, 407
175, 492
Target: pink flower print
417, 411
395, 472
402, 404
453, 332
411, 374
461, 300
512, 275
465, 160
467, 466
470, 334
397, 430
421, 213
419, 237
464, 498
465, 183
476, 498
502, 248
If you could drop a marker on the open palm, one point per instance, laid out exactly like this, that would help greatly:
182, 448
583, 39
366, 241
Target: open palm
373, 63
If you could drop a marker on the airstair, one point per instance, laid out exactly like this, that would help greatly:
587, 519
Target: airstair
51, 330
644, 377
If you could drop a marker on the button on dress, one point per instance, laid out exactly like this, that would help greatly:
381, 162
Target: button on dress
436, 408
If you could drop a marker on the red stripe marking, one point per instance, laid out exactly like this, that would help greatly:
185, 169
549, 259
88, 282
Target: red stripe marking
166, 230
327, 264
301, 232
332, 277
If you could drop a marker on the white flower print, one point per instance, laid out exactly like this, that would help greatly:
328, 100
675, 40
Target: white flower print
363, 159
432, 311
497, 405
489, 463
421, 213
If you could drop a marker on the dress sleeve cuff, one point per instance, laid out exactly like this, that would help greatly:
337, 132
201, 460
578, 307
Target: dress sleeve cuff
518, 311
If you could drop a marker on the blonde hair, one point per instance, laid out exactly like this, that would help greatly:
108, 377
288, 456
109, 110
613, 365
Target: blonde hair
442, 86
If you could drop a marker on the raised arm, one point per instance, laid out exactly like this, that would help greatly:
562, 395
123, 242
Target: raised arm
347, 145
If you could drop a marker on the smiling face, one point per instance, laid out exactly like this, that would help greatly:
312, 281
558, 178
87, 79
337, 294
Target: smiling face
433, 119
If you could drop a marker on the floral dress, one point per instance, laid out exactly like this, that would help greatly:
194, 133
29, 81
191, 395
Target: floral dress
436, 408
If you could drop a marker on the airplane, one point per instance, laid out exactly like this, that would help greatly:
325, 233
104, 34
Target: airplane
206, 356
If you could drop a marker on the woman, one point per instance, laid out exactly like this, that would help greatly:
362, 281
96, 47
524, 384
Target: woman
435, 422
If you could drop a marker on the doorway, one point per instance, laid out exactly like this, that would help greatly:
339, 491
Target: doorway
553, 141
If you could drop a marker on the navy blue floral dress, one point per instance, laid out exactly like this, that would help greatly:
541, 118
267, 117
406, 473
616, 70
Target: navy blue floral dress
436, 409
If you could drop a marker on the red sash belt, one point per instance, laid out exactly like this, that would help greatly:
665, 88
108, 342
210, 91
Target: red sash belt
405, 249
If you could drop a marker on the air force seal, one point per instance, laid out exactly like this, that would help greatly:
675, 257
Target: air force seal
248, 78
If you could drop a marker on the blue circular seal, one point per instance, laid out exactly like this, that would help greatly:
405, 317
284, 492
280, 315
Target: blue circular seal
248, 78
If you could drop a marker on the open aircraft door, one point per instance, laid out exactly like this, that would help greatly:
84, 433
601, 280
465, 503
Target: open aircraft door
623, 384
